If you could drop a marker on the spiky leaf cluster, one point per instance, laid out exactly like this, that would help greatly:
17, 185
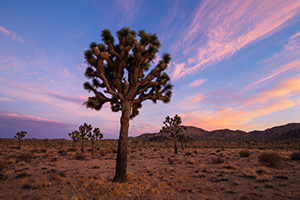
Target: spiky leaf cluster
75, 135
20, 135
171, 125
84, 130
96, 135
124, 71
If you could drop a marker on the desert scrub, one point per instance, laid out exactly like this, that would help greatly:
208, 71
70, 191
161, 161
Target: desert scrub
2, 166
270, 159
244, 153
26, 157
72, 149
62, 152
79, 156
295, 155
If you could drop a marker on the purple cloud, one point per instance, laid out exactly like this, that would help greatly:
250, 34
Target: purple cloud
37, 127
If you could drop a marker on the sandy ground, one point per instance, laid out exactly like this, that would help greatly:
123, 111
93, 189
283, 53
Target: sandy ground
53, 170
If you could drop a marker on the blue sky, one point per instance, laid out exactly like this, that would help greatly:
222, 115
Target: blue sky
235, 64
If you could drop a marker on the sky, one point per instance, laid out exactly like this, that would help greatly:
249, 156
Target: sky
235, 64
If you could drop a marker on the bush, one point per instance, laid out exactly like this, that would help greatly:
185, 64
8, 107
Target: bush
43, 150
295, 155
270, 159
79, 156
72, 149
25, 157
244, 153
2, 166
62, 152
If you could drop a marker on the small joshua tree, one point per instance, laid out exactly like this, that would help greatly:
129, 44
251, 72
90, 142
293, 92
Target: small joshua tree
19, 136
74, 136
84, 130
94, 137
182, 138
171, 125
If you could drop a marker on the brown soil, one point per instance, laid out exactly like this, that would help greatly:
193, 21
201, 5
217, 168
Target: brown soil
51, 170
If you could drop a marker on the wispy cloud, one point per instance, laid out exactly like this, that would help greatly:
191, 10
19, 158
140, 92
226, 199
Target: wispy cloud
296, 35
274, 73
6, 99
240, 114
280, 63
12, 35
197, 82
226, 27
128, 8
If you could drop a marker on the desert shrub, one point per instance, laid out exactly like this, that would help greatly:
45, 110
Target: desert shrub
10, 156
35, 150
295, 155
249, 173
79, 156
103, 152
24, 157
114, 150
43, 150
217, 160
62, 152
244, 153
270, 159
72, 149
2, 166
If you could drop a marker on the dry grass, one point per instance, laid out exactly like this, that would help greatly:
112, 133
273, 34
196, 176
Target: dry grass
295, 155
270, 159
203, 170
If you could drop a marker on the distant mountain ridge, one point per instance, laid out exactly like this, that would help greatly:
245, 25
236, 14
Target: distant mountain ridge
289, 131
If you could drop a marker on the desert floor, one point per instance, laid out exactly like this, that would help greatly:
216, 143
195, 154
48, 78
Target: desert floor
51, 169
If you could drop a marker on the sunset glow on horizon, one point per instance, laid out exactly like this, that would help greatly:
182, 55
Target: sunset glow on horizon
235, 64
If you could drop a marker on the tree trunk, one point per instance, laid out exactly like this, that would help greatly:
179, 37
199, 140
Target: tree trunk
181, 141
73, 144
121, 166
175, 146
82, 146
19, 144
92, 147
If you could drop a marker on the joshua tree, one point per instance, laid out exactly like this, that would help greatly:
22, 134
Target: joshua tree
19, 136
94, 137
84, 130
182, 138
120, 76
171, 125
74, 136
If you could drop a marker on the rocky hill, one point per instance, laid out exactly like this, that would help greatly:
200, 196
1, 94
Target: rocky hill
285, 132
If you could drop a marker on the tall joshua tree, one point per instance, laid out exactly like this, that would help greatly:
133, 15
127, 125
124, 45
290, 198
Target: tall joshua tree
74, 136
171, 125
94, 137
124, 75
84, 130
19, 136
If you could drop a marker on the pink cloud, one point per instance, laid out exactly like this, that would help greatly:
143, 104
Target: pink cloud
243, 112
6, 99
197, 82
4, 31
274, 73
13, 35
223, 32
296, 35
129, 8
193, 99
